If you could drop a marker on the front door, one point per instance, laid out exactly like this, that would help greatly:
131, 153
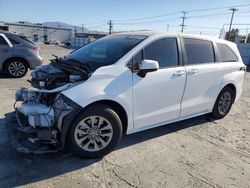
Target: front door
157, 96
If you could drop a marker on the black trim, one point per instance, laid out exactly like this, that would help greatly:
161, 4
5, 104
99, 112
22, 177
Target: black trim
67, 120
142, 73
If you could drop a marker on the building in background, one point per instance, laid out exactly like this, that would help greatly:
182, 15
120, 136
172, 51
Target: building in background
80, 39
38, 32
53, 33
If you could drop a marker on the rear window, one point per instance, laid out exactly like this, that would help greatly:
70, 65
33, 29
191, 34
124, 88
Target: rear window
198, 51
26, 39
3, 41
225, 53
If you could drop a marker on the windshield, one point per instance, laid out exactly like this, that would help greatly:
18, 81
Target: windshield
106, 51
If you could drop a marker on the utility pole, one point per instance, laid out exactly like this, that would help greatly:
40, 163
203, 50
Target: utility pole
82, 28
167, 27
110, 26
246, 39
183, 20
75, 30
233, 10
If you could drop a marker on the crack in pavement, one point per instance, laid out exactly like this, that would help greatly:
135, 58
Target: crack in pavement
247, 155
204, 180
120, 178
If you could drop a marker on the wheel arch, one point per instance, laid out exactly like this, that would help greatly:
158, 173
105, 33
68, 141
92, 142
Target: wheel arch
233, 87
15, 58
117, 107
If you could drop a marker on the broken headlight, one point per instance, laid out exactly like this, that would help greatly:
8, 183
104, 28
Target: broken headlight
60, 103
24, 94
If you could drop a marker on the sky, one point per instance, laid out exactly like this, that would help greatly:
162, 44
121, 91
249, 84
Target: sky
160, 15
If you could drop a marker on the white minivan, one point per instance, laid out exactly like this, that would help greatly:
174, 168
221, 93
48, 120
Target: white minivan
125, 83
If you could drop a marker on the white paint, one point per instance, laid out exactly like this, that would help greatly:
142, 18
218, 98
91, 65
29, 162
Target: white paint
164, 96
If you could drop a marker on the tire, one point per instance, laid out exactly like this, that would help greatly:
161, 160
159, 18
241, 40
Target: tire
89, 137
16, 68
226, 98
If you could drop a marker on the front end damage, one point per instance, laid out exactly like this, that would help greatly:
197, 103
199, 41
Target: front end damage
43, 113
40, 116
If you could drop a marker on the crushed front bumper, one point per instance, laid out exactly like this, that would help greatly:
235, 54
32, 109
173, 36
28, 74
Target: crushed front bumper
24, 137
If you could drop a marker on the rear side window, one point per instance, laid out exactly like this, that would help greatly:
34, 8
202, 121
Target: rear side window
3, 41
13, 42
26, 39
225, 53
164, 51
198, 51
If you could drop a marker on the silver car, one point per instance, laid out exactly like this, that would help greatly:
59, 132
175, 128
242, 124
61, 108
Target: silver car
18, 54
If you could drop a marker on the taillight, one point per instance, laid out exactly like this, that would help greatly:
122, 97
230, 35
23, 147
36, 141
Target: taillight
36, 49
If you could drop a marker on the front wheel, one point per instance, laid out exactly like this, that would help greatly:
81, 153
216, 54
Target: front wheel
223, 103
95, 132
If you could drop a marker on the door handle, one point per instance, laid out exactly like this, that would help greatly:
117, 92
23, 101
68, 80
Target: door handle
193, 71
178, 73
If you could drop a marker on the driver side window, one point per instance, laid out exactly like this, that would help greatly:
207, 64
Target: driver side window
165, 51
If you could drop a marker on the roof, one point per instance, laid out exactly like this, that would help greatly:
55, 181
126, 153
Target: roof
159, 34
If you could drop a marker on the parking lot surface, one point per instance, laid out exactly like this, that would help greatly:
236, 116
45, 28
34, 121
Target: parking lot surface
199, 152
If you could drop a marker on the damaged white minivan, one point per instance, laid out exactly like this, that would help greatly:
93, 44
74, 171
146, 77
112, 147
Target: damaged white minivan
125, 83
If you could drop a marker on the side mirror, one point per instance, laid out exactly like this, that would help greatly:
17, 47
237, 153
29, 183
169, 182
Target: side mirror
146, 66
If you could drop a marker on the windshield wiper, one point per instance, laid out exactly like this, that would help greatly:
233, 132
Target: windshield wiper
81, 64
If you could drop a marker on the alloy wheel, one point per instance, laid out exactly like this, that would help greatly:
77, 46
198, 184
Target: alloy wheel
224, 103
16, 69
93, 133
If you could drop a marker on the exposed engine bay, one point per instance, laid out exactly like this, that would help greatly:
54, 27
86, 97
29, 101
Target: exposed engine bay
41, 109
59, 72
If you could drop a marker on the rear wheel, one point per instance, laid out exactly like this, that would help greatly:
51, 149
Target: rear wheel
95, 132
223, 103
16, 68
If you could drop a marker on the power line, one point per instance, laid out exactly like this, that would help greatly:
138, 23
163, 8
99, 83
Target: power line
97, 26
174, 13
194, 26
218, 8
150, 17
144, 22
168, 14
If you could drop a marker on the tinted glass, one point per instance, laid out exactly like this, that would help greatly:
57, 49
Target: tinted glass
225, 53
164, 51
13, 41
3, 41
198, 51
136, 60
107, 50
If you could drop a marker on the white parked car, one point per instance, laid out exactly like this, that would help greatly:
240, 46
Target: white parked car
125, 83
